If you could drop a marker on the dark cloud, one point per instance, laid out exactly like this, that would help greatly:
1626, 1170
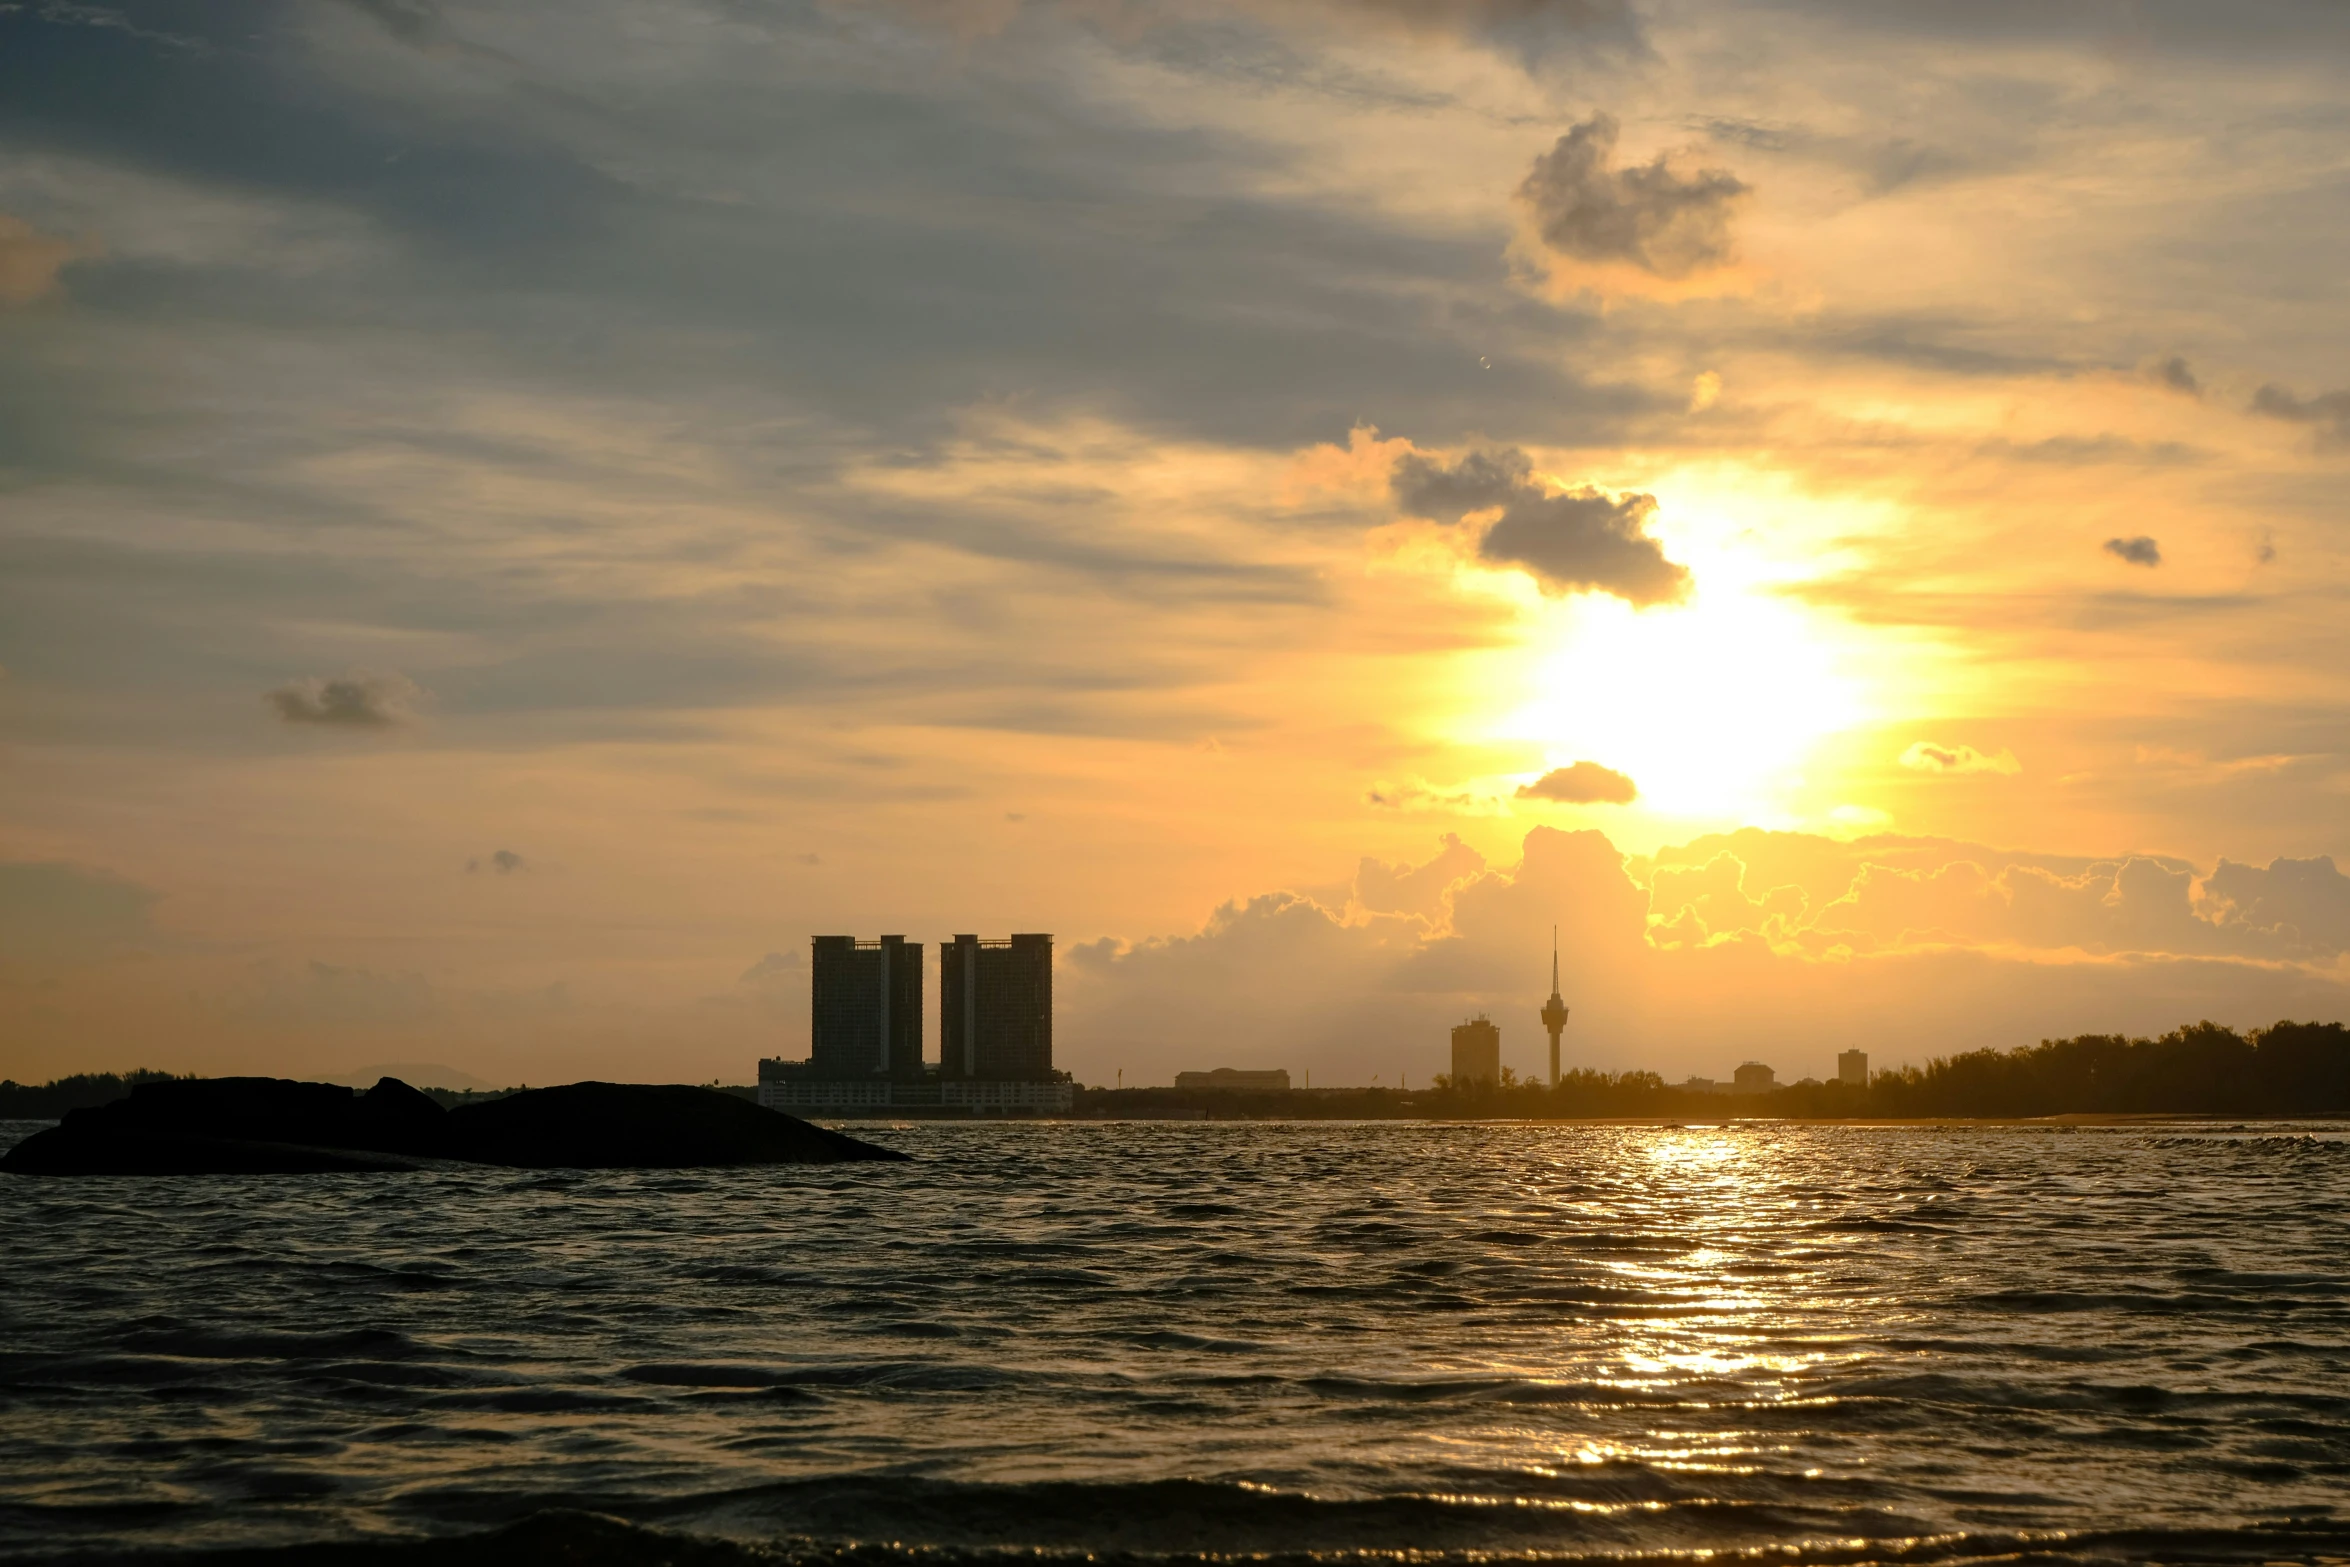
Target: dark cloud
357, 700
2329, 411
1881, 165
2083, 450
2178, 375
513, 233
410, 21
1533, 27
505, 862
1574, 541
2139, 551
1585, 783
1665, 223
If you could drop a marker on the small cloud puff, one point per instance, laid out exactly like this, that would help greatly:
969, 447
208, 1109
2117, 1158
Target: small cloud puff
1418, 795
2329, 411
2139, 551
358, 700
1585, 783
1650, 218
504, 861
2178, 375
1927, 757
774, 968
1575, 541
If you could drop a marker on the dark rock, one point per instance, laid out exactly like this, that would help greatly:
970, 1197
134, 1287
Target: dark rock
271, 1126
620, 1126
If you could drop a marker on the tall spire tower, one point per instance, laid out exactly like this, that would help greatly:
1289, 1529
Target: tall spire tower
1554, 1011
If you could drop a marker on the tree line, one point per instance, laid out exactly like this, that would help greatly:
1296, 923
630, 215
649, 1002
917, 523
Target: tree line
84, 1090
2200, 1069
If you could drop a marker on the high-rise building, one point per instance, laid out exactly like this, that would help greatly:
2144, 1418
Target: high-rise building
1853, 1067
1554, 1011
996, 1009
865, 1044
1476, 1052
865, 1009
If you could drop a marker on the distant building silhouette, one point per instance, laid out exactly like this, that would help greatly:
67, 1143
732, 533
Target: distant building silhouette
1853, 1067
865, 1031
995, 1014
1476, 1052
1554, 1011
1275, 1080
866, 1009
1754, 1078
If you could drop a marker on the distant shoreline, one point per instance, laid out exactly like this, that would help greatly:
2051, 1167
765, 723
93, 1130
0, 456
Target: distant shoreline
1659, 1123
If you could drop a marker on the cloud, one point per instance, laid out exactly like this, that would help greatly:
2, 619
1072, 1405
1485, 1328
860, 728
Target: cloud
1417, 794
1690, 904
1584, 783
29, 261
1926, 757
505, 862
1382, 888
774, 968
356, 701
2329, 411
2305, 903
1573, 541
1651, 218
415, 22
2138, 551
1947, 947
2178, 375
1531, 26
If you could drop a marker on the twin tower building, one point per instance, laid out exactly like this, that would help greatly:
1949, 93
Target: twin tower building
865, 1031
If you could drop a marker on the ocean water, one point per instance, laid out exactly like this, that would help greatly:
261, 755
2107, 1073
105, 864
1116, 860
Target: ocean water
1210, 1341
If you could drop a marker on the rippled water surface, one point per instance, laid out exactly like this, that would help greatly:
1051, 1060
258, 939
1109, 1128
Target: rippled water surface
1219, 1339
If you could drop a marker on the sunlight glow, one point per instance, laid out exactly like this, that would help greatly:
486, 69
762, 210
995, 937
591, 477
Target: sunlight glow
1712, 707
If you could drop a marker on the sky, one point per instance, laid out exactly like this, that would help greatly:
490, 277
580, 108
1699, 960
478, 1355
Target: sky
513, 518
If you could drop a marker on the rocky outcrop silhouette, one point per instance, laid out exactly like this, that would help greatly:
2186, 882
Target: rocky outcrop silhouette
272, 1126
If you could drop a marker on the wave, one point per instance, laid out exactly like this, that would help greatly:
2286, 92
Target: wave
575, 1538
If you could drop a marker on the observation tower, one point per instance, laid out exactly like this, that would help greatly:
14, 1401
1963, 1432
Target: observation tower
1554, 1011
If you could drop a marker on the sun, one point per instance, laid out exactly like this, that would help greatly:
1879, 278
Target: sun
1713, 706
